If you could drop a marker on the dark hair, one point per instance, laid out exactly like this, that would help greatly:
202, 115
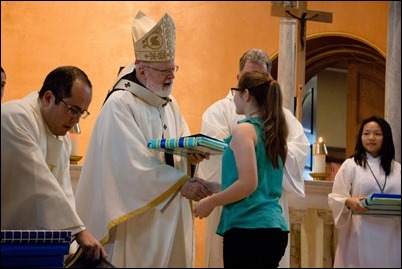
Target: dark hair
256, 56
60, 81
268, 96
387, 151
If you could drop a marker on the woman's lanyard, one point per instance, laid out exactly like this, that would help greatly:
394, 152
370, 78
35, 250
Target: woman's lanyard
378, 183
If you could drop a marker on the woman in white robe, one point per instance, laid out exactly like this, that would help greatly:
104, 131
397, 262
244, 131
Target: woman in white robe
367, 241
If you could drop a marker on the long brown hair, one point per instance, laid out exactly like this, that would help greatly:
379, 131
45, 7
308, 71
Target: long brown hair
268, 96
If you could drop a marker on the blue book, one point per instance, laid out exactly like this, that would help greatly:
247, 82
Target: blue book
199, 143
382, 204
33, 262
382, 199
33, 255
379, 212
34, 248
35, 236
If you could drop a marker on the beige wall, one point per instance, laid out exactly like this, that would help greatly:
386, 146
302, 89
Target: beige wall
36, 37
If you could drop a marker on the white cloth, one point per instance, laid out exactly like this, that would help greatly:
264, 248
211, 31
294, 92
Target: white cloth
365, 241
36, 190
124, 185
218, 121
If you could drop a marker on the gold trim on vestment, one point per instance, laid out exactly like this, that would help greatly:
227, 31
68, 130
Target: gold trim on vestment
146, 207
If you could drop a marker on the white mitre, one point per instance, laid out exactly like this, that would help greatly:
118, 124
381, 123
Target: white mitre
153, 42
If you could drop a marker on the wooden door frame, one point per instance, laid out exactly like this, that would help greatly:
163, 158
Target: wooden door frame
338, 51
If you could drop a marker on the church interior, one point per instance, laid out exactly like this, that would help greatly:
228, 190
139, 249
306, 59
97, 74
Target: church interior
345, 67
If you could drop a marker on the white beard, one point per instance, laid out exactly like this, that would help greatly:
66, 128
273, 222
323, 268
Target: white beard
163, 91
158, 89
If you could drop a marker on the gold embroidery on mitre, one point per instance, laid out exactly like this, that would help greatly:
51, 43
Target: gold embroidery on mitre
154, 42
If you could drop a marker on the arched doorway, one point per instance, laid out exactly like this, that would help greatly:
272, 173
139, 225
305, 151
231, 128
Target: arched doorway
365, 68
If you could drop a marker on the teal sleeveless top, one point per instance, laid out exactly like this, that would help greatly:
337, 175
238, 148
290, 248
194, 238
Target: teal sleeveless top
261, 209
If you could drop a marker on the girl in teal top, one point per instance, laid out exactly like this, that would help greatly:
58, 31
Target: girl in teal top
254, 230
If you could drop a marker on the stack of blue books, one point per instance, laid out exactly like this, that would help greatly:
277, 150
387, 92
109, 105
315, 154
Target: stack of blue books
34, 248
193, 144
382, 204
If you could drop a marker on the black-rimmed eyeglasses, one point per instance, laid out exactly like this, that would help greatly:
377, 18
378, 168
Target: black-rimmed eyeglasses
165, 71
74, 111
234, 90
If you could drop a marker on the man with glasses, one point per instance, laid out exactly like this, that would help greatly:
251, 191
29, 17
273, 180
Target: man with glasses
73, 110
131, 197
36, 191
218, 121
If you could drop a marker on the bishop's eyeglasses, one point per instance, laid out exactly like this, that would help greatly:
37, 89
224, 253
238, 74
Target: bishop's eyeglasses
165, 71
74, 111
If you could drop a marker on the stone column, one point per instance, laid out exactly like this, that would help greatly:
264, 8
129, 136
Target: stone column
296, 217
329, 238
392, 108
286, 58
286, 61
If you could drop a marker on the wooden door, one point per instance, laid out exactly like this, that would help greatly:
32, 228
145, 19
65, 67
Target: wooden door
365, 98
309, 117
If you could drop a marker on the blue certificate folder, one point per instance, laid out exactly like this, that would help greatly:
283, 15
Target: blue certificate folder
34, 248
198, 143
383, 204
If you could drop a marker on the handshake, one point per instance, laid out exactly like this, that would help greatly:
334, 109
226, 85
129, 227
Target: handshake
197, 188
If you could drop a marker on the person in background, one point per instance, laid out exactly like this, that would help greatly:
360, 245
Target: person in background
367, 241
218, 121
36, 190
255, 233
134, 198
3, 81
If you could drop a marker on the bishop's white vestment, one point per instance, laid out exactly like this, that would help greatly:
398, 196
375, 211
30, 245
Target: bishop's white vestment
126, 194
